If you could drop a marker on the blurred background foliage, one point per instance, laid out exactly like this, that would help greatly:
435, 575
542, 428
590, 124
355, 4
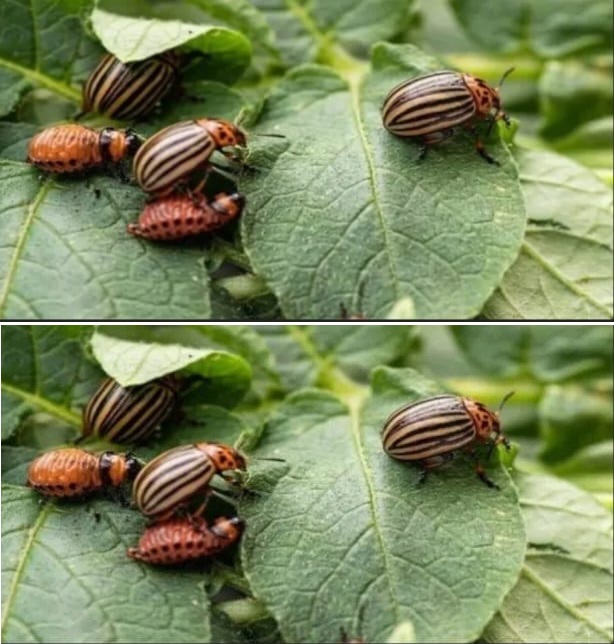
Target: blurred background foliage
561, 90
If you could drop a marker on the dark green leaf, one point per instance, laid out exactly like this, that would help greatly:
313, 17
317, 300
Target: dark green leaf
546, 353
571, 94
302, 353
564, 593
66, 251
66, 577
304, 29
547, 27
573, 417
346, 531
564, 269
42, 45
373, 225
43, 370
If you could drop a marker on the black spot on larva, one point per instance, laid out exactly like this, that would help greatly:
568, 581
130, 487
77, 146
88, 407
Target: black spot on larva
165, 548
189, 545
189, 220
165, 224
177, 546
154, 551
73, 162
73, 486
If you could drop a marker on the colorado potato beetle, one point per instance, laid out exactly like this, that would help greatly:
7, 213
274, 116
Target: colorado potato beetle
174, 478
129, 414
75, 148
70, 471
182, 539
429, 107
172, 155
177, 216
129, 90
429, 431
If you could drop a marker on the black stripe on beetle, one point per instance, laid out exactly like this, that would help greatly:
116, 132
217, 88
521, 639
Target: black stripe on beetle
429, 107
428, 432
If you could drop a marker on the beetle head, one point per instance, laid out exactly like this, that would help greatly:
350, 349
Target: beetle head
224, 133
223, 457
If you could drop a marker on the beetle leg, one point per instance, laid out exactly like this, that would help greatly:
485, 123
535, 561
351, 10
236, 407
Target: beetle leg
433, 139
479, 470
479, 146
432, 463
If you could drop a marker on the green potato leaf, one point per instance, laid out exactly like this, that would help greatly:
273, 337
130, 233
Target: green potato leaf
373, 224
342, 536
564, 269
564, 593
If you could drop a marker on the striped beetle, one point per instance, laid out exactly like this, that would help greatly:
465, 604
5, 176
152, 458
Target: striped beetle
182, 539
129, 90
177, 216
129, 414
70, 471
74, 148
429, 431
430, 107
172, 155
174, 478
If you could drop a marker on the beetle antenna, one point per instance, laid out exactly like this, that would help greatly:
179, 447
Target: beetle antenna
506, 73
276, 136
505, 399
500, 439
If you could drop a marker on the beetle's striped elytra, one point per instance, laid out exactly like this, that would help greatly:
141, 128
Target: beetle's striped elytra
74, 148
174, 478
429, 431
129, 414
183, 539
129, 90
170, 157
430, 107
71, 471
177, 216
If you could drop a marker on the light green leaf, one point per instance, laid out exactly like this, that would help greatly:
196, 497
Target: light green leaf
373, 224
343, 530
564, 270
564, 593
141, 35
136, 354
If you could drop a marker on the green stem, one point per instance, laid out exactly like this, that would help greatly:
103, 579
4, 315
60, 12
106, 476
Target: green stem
491, 393
244, 611
244, 287
42, 404
492, 67
42, 80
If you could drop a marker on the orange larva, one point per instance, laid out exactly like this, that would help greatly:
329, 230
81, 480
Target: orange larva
70, 471
74, 148
182, 539
178, 216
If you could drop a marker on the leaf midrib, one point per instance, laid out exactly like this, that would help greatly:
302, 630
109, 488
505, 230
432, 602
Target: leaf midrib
353, 397
32, 532
38, 78
43, 404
